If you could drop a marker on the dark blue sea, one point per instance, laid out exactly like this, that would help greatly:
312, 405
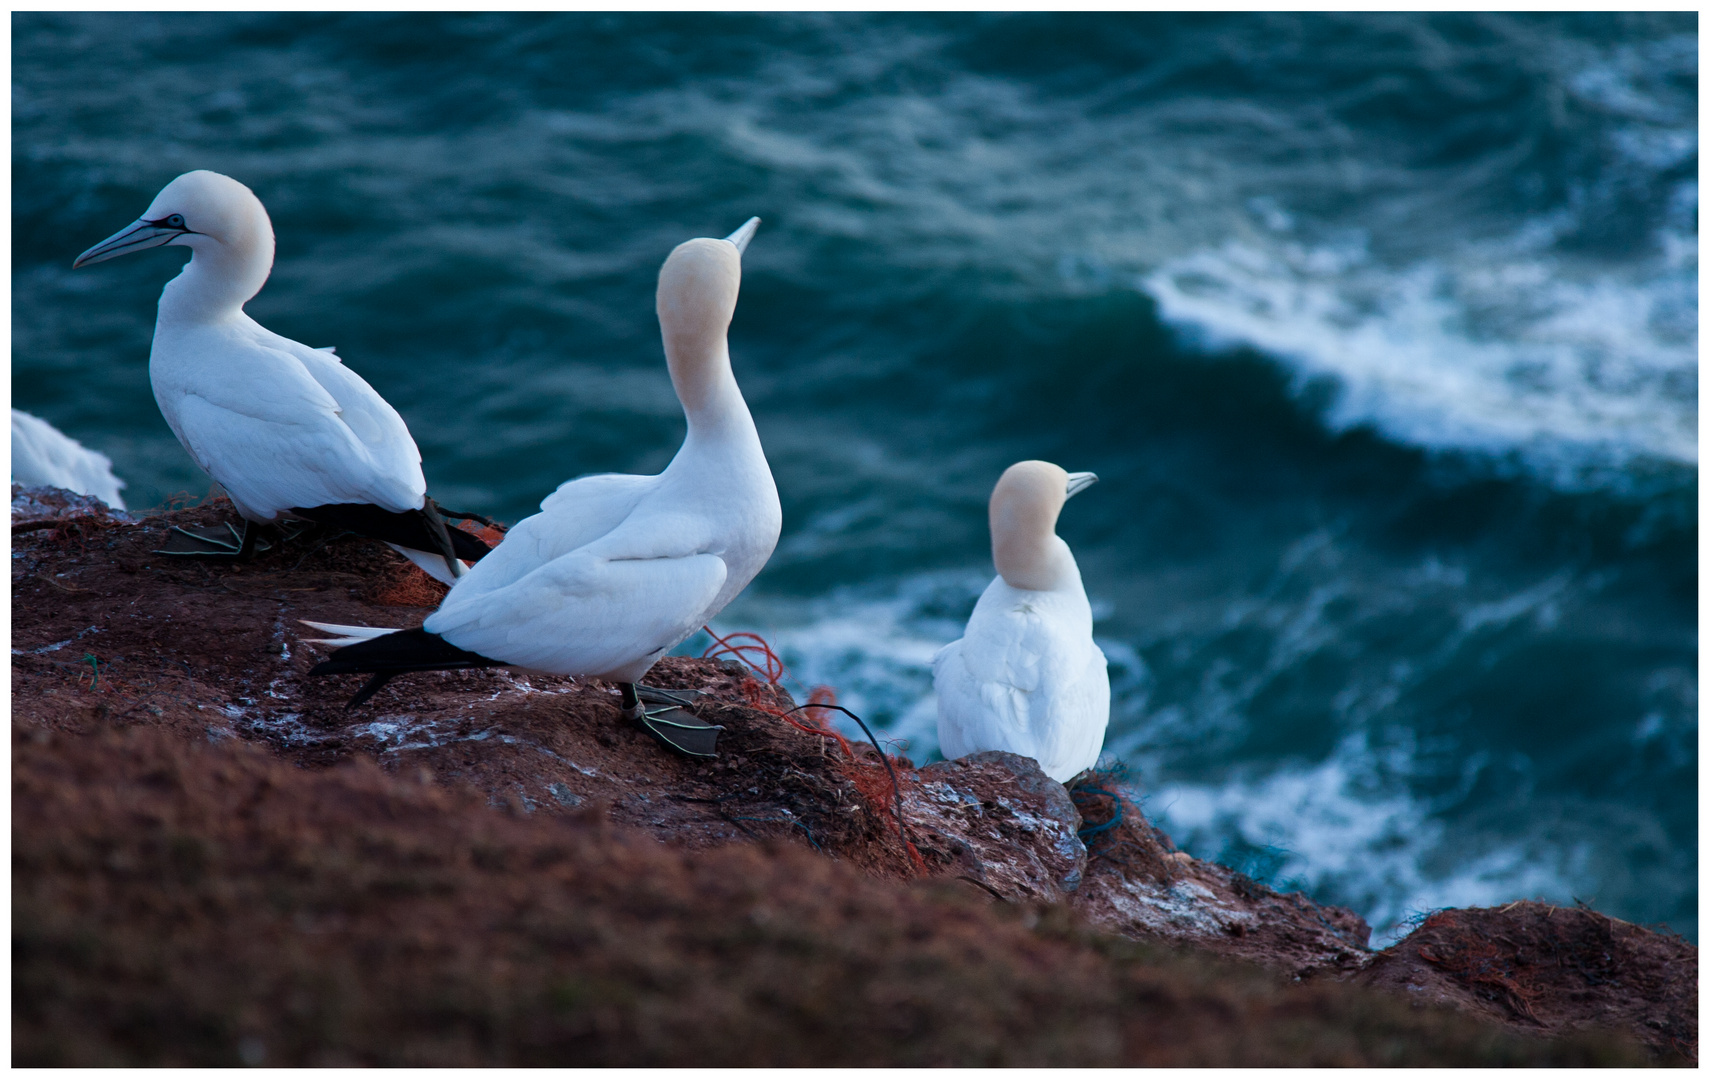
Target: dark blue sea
1381, 331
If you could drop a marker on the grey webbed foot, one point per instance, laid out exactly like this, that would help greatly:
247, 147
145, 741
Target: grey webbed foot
224, 541
291, 528
670, 723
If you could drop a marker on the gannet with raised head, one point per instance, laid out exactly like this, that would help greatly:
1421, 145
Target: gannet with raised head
615, 570
287, 430
43, 454
1026, 676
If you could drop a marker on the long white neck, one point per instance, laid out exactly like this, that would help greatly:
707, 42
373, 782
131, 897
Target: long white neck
701, 375
222, 275
698, 286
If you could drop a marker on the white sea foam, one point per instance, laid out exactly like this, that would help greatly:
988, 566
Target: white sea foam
1595, 373
1376, 823
1345, 829
1506, 344
1516, 345
876, 651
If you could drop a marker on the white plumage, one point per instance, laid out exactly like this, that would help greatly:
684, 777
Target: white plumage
615, 570
1026, 677
278, 424
44, 455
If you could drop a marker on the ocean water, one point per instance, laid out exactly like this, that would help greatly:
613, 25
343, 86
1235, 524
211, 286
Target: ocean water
1381, 331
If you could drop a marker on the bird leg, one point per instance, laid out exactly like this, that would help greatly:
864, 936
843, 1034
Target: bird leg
632, 708
676, 727
291, 527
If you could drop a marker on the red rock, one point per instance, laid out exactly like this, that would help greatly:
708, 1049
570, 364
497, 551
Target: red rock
109, 636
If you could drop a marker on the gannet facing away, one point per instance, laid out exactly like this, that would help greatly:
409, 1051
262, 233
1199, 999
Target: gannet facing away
287, 430
1025, 676
615, 570
43, 454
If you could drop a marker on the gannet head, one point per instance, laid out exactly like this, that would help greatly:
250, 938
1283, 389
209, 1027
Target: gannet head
698, 286
1024, 508
211, 214
696, 300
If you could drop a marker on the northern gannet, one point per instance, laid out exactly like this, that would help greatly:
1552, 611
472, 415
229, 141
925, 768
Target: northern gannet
615, 570
287, 430
1025, 676
43, 454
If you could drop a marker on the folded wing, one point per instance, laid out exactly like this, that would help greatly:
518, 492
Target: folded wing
582, 614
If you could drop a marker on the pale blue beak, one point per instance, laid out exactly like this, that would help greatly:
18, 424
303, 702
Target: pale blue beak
1079, 482
138, 237
741, 236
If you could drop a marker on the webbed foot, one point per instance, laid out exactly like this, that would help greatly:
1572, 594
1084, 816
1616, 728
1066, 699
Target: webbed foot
291, 528
682, 731
224, 541
670, 723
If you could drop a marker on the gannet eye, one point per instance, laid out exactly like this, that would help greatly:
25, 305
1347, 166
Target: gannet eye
174, 221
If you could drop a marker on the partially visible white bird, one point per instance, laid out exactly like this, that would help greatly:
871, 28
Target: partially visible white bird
287, 430
1026, 676
615, 570
43, 454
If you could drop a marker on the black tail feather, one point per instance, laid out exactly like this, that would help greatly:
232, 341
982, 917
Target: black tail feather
395, 653
406, 528
401, 650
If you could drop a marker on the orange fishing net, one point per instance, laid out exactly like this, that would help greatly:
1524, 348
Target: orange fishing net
757, 654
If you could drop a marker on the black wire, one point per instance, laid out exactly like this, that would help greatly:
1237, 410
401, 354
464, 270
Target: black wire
901, 827
721, 798
455, 516
1088, 831
779, 821
341, 534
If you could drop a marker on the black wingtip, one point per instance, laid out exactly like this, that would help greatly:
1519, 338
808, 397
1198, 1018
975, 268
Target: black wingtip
465, 545
401, 650
394, 654
468, 546
421, 530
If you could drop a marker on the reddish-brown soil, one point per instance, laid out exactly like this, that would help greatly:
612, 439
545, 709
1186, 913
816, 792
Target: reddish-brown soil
216, 862
1551, 968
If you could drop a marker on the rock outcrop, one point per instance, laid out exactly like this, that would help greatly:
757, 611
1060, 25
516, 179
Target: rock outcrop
112, 641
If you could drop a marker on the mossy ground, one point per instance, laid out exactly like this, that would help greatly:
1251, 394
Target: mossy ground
214, 863
184, 904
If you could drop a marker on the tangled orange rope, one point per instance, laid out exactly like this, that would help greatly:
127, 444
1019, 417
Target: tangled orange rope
773, 668
821, 700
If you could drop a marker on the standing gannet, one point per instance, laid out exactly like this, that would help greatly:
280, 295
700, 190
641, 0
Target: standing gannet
1025, 676
615, 570
43, 454
287, 430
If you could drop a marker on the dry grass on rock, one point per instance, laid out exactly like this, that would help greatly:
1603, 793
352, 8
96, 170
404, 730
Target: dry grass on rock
183, 904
